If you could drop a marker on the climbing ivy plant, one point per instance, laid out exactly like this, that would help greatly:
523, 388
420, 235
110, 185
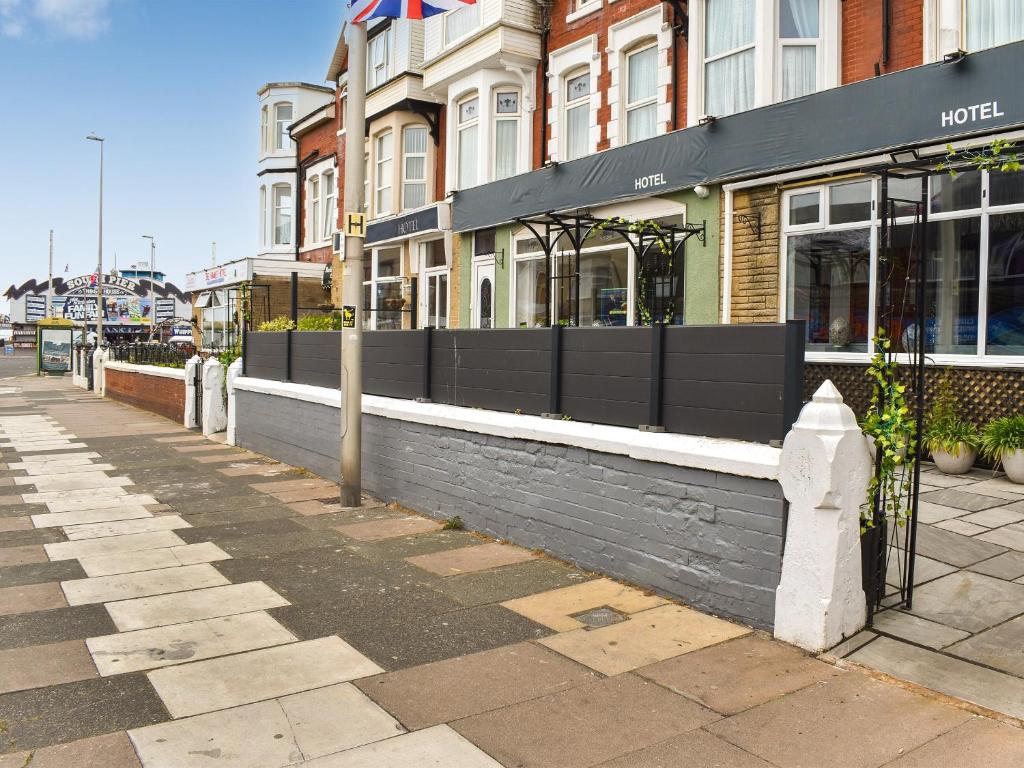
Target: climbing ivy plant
643, 276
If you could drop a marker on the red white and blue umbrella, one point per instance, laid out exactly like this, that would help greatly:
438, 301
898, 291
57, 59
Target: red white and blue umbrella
364, 10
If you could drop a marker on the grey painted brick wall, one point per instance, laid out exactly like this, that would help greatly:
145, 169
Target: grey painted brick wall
711, 539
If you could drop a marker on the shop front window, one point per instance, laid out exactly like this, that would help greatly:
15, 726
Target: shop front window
1006, 284
435, 278
383, 294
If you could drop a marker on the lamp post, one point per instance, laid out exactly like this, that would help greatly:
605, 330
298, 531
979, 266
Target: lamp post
152, 293
100, 306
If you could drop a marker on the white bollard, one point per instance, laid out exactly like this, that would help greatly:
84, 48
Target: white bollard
824, 472
234, 371
190, 391
215, 413
97, 370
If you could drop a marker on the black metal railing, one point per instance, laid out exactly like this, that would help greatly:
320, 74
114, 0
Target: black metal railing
166, 355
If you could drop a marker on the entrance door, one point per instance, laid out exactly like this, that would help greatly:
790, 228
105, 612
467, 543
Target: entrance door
483, 294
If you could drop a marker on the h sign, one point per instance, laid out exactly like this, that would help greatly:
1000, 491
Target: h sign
355, 224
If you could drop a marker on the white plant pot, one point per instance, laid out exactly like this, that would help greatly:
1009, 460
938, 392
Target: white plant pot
955, 465
1013, 464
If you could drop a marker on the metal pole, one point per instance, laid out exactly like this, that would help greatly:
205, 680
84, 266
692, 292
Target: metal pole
49, 283
99, 262
352, 275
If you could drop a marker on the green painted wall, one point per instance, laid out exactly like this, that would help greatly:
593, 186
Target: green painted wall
465, 263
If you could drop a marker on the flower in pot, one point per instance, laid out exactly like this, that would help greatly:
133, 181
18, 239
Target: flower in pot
1002, 441
953, 444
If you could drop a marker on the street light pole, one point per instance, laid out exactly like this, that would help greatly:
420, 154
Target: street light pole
49, 284
152, 293
352, 275
100, 306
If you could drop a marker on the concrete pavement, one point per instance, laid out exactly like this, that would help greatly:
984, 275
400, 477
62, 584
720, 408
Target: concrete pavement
159, 608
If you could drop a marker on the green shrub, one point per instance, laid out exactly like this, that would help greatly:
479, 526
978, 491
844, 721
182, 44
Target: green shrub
946, 430
324, 322
281, 323
1001, 436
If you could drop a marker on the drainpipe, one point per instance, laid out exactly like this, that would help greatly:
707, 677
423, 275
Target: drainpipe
679, 28
542, 97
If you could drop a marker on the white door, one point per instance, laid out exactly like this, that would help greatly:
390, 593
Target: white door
482, 308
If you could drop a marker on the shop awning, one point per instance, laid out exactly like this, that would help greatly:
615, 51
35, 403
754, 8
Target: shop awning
978, 94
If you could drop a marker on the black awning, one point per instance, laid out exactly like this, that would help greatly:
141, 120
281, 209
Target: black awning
934, 103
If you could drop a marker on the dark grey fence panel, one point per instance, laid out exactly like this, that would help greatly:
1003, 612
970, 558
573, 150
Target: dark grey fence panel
733, 381
393, 363
267, 355
316, 358
503, 370
606, 375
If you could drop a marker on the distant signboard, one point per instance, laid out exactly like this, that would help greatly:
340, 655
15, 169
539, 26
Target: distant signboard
55, 346
35, 308
165, 309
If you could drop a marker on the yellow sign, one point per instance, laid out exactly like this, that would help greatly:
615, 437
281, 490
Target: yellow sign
355, 224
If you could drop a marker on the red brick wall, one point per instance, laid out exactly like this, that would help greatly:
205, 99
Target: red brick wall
158, 394
324, 141
862, 37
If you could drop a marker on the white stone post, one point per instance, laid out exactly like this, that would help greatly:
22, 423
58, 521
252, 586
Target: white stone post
190, 391
215, 414
824, 472
97, 370
234, 371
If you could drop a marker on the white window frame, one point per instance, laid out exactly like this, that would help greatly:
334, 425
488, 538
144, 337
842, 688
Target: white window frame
798, 42
383, 177
263, 215
312, 233
376, 279
264, 129
767, 56
466, 10
281, 210
515, 118
427, 274
407, 181
281, 135
330, 196
566, 63
461, 127
378, 59
629, 36
984, 212
651, 101
580, 102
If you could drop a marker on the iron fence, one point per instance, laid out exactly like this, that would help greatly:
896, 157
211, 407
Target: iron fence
172, 356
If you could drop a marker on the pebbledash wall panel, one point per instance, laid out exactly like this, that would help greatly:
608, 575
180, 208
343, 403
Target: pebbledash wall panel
711, 539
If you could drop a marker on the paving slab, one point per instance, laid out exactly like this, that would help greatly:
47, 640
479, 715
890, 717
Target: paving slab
1011, 536
152, 559
23, 555
181, 439
988, 688
739, 674
31, 597
968, 601
205, 448
244, 470
952, 548
584, 725
39, 572
124, 527
999, 487
41, 665
306, 494
437, 747
555, 609
41, 717
43, 627
57, 468
961, 498
8, 524
85, 455
111, 545
645, 638
269, 734
917, 630
291, 485
124, 586
226, 457
111, 750
1001, 647
242, 515
163, 646
206, 686
827, 724
10, 500
959, 525
850, 644
468, 559
994, 518
696, 749
978, 742
375, 530
75, 482
502, 584
1009, 566
449, 690
111, 497
180, 607
86, 516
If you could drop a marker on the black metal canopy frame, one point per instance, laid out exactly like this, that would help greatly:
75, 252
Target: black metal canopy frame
655, 251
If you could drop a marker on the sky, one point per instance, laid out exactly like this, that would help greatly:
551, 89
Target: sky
171, 85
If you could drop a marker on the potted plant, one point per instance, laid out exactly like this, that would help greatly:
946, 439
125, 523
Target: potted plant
1002, 441
952, 440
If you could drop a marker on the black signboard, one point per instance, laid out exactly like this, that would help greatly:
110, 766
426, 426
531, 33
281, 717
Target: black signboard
403, 226
979, 94
165, 309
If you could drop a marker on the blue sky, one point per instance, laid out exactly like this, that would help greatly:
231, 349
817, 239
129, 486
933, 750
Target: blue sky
171, 85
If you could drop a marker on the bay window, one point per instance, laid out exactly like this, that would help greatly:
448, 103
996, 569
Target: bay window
729, 43
384, 149
506, 133
282, 199
382, 289
263, 215
282, 119
577, 115
330, 205
642, 93
988, 23
264, 130
313, 211
466, 138
377, 54
974, 265
461, 22
414, 166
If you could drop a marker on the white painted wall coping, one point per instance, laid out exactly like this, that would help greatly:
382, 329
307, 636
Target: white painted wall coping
733, 457
148, 370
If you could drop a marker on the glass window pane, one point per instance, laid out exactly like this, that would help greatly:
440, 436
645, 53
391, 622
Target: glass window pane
367, 314
643, 75
729, 25
993, 22
531, 293
389, 262
505, 148
1006, 285
431, 301
1006, 188
415, 138
641, 123
798, 18
415, 168
414, 195
577, 140
389, 306
461, 22
951, 287
483, 242
577, 87
961, 193
507, 102
729, 84
903, 194
442, 301
467, 157
604, 287
799, 71
469, 110
849, 202
805, 208
486, 303
433, 254
829, 281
